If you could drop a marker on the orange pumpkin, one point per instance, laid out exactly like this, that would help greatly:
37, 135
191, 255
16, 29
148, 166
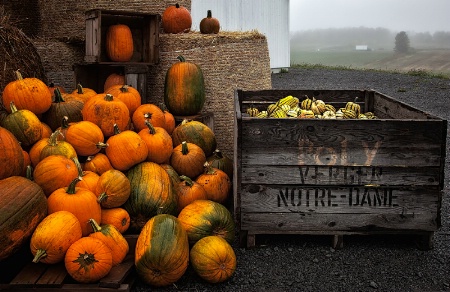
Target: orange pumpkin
89, 179
148, 112
80, 202
209, 24
98, 163
88, 260
119, 43
169, 119
189, 191
213, 259
54, 172
46, 130
83, 93
114, 79
176, 19
86, 138
188, 159
113, 189
159, 143
129, 95
11, 158
105, 111
26, 163
53, 236
112, 238
118, 217
216, 183
35, 151
125, 149
27, 93
52, 88
195, 132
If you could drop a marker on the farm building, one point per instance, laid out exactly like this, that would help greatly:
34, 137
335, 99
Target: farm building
270, 18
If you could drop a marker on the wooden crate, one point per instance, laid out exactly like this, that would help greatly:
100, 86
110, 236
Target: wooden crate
94, 76
338, 177
144, 28
43, 277
205, 118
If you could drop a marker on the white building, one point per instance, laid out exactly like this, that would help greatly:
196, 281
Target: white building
269, 17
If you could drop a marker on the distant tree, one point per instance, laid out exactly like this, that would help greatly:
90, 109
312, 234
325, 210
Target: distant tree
401, 42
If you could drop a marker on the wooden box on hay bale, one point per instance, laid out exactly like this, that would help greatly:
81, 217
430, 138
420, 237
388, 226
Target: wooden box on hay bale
19, 273
338, 176
144, 28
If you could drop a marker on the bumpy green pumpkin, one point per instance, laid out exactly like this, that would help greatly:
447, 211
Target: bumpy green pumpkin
184, 88
151, 194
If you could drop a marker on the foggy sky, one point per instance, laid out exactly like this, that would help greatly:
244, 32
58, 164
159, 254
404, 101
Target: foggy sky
396, 15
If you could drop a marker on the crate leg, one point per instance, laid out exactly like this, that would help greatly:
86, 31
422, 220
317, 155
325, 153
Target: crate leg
251, 240
338, 241
425, 241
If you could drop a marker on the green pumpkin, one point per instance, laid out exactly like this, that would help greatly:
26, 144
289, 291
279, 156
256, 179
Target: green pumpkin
197, 133
184, 88
151, 194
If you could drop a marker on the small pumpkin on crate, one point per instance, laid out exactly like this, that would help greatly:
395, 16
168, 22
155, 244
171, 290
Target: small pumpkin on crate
119, 43
209, 24
176, 19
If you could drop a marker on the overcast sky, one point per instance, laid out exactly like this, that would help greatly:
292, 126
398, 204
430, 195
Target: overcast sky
396, 15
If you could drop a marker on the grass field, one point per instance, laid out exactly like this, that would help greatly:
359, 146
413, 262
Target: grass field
355, 59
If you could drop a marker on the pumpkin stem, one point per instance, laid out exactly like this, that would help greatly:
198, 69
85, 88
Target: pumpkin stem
40, 254
102, 197
151, 129
124, 88
109, 97
218, 153
184, 148
79, 168
188, 181
95, 226
355, 99
79, 88
116, 129
181, 58
64, 123
208, 168
18, 75
29, 172
12, 106
58, 95
53, 139
101, 145
71, 188
177, 5
209, 14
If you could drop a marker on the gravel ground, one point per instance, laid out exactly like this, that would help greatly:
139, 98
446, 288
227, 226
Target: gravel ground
366, 263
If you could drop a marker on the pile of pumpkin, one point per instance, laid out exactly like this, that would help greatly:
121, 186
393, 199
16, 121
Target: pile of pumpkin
79, 169
309, 108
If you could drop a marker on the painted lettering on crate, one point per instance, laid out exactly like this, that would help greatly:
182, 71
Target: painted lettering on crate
328, 197
347, 175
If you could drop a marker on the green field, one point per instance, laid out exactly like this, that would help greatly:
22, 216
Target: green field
354, 59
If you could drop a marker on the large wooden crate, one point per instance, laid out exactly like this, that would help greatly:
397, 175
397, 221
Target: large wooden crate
144, 28
338, 177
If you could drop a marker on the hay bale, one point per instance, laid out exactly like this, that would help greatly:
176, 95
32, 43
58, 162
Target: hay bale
65, 20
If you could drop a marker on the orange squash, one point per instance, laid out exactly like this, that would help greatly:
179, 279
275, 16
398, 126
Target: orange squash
114, 79
216, 183
213, 259
89, 179
162, 251
119, 43
209, 24
79, 201
35, 151
113, 189
189, 191
53, 237
88, 260
46, 130
86, 138
98, 163
159, 143
188, 159
118, 217
112, 238
176, 19
148, 112
83, 93
11, 158
169, 119
129, 95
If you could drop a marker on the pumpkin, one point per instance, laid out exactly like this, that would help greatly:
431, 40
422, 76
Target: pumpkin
188, 159
221, 161
216, 183
83, 93
46, 130
118, 217
88, 260
184, 88
197, 133
52, 88
162, 251
80, 202
169, 119
27, 93
159, 143
119, 43
148, 112
54, 172
176, 19
63, 106
53, 237
114, 79
55, 147
125, 149
89, 179
35, 151
113, 189
105, 111
209, 24
98, 163
112, 238
213, 259
11, 158
22, 206
174, 176
129, 95
24, 125
151, 194
202, 218
189, 191
86, 138
26, 163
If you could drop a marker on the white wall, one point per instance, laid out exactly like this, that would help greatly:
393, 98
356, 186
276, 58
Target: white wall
269, 17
